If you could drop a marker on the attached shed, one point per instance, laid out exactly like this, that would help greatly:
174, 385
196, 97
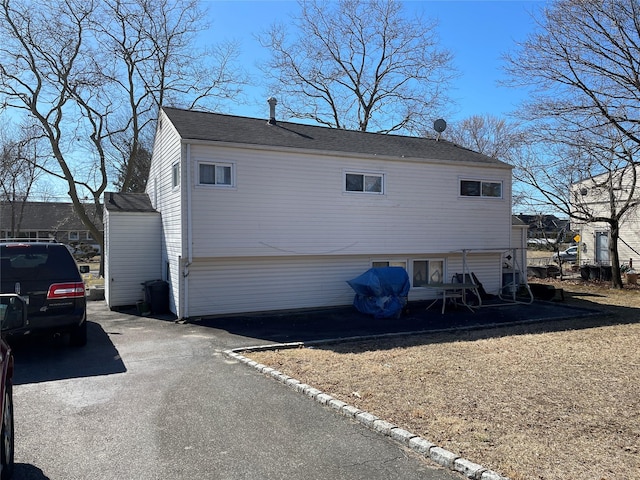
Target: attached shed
132, 247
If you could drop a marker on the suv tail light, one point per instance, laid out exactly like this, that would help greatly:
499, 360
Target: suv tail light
65, 290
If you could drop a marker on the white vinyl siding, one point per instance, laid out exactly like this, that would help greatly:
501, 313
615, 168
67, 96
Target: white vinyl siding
132, 245
260, 284
226, 286
291, 204
168, 151
487, 267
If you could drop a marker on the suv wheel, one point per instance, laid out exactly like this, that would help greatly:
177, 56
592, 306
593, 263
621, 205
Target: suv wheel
78, 336
6, 436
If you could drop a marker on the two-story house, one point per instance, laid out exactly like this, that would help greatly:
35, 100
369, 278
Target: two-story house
250, 214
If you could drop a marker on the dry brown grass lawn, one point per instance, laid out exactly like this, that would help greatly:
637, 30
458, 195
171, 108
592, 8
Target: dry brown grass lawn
546, 401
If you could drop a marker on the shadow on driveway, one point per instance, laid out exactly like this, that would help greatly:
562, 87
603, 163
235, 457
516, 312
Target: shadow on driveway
347, 322
26, 471
46, 358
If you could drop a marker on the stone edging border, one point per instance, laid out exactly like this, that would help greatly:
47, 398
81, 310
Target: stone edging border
418, 444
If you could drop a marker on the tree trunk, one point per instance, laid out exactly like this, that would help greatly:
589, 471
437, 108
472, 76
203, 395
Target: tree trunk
616, 277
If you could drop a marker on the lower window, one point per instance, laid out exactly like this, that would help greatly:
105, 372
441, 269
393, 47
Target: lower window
389, 264
427, 272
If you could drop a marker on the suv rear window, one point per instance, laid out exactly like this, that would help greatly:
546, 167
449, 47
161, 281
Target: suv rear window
45, 262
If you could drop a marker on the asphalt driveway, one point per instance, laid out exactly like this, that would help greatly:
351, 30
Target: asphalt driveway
153, 399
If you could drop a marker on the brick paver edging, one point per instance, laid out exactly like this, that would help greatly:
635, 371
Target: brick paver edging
414, 442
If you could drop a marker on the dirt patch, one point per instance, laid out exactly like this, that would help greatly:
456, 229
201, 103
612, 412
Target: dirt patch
553, 400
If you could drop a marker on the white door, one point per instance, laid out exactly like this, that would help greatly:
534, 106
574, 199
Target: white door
602, 248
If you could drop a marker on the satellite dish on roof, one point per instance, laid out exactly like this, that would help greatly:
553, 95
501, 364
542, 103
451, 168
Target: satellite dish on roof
439, 125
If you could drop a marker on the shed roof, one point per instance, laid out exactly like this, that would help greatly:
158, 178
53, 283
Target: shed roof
127, 202
215, 127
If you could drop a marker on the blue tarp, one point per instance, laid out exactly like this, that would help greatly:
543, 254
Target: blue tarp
381, 292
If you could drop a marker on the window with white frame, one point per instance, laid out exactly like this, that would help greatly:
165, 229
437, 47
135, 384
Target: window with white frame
219, 174
175, 175
74, 235
361, 182
480, 188
427, 272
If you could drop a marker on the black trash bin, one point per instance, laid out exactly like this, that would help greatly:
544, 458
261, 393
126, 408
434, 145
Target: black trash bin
584, 272
156, 294
606, 273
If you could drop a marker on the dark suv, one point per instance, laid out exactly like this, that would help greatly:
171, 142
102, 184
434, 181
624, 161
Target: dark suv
46, 275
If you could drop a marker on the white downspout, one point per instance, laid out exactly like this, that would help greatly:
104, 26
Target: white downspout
185, 273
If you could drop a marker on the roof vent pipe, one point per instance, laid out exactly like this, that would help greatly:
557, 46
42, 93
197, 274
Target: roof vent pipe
272, 110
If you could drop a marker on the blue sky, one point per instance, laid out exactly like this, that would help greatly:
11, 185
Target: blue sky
477, 32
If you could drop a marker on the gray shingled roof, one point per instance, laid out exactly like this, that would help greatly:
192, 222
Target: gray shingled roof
127, 202
214, 127
45, 216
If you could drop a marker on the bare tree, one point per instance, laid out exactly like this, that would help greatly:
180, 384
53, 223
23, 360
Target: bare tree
137, 173
94, 72
489, 135
18, 171
584, 65
590, 179
358, 64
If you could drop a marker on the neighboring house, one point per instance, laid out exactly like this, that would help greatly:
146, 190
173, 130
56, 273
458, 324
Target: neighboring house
261, 215
594, 236
45, 221
546, 229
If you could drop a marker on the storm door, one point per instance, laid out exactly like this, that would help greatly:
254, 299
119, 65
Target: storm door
602, 248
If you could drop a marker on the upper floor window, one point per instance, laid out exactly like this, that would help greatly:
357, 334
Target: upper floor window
364, 182
215, 174
480, 188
